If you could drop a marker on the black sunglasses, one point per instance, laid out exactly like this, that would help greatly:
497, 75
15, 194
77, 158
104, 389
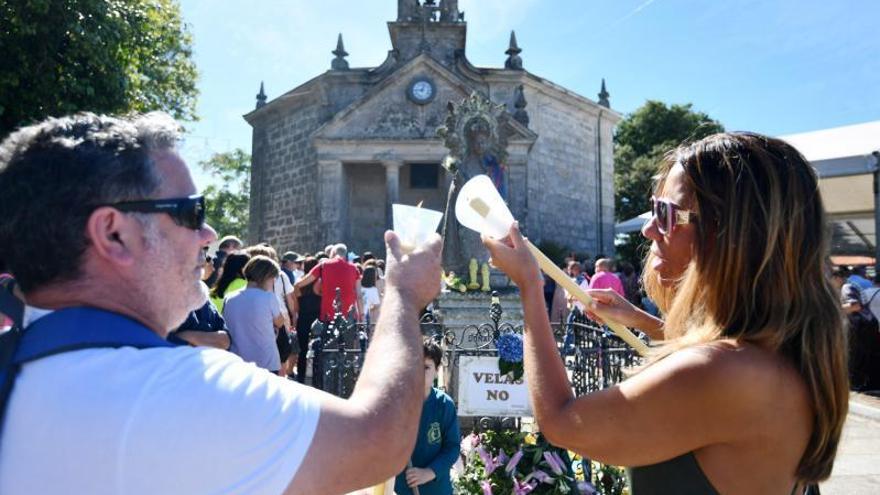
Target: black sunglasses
187, 212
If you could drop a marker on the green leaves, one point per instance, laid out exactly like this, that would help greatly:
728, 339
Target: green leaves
228, 200
514, 370
641, 141
103, 56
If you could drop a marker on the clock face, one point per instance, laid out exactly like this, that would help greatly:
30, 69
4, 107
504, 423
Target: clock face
421, 91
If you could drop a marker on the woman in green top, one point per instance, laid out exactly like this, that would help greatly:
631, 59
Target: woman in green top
748, 393
231, 279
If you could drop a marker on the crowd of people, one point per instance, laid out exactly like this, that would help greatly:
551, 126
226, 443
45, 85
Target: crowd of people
857, 299
264, 308
747, 391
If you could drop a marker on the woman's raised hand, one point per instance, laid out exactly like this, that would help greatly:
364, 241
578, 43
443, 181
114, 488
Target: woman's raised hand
512, 256
609, 305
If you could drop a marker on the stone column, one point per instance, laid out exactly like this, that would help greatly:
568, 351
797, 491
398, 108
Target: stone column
517, 189
256, 221
876, 174
331, 201
392, 187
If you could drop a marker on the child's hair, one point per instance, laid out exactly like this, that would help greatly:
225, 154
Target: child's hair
432, 350
260, 268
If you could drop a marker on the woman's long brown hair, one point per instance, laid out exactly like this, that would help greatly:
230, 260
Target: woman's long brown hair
758, 272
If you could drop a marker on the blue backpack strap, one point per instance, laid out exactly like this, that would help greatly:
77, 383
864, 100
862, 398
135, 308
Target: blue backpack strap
83, 328
67, 330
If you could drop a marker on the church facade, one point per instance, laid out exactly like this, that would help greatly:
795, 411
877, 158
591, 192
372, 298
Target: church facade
332, 155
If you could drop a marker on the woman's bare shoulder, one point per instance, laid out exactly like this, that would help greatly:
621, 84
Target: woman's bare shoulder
753, 379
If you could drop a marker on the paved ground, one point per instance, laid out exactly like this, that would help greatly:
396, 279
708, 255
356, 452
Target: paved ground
857, 468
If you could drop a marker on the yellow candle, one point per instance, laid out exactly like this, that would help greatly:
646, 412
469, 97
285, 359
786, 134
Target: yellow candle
568, 284
556, 273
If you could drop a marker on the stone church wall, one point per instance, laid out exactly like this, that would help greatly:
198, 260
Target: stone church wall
288, 182
563, 202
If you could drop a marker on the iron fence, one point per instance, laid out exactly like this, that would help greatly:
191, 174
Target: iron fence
594, 357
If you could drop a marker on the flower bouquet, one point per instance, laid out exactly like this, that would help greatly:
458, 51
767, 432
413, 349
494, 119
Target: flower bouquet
515, 463
510, 355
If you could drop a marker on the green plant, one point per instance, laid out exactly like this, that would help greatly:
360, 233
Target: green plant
609, 480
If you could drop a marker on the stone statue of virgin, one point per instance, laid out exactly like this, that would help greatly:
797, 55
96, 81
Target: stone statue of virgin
476, 135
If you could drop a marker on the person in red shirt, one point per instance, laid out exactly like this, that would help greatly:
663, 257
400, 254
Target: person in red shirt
605, 278
334, 273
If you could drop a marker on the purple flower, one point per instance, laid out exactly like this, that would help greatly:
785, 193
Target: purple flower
502, 458
554, 465
487, 487
487, 460
586, 487
540, 476
559, 460
523, 488
513, 462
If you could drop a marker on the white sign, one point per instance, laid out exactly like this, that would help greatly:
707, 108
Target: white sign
484, 391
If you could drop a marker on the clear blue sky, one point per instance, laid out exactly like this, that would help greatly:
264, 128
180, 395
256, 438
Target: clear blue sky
772, 66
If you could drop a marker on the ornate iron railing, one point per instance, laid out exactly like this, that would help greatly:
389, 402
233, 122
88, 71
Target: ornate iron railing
595, 358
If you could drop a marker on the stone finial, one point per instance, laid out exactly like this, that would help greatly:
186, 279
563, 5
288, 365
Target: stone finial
406, 10
603, 96
339, 63
449, 11
519, 102
513, 61
261, 97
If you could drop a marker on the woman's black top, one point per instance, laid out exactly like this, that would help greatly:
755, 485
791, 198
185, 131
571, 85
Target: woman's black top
681, 476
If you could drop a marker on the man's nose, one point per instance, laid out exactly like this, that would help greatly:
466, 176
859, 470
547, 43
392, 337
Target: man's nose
208, 235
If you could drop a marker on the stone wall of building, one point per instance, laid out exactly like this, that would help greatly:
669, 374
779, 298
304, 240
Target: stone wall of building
562, 179
284, 180
312, 188
607, 183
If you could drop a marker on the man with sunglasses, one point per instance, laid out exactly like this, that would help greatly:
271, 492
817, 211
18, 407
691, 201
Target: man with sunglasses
104, 229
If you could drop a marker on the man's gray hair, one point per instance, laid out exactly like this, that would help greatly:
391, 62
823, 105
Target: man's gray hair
606, 264
340, 250
55, 173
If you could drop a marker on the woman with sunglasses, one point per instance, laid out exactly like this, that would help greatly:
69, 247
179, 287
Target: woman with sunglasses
667, 261
748, 391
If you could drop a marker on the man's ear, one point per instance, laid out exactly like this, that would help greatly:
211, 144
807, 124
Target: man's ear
114, 235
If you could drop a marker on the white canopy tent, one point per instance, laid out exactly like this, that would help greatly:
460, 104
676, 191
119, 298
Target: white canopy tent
846, 159
633, 224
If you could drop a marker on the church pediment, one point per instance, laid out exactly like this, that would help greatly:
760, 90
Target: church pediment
408, 104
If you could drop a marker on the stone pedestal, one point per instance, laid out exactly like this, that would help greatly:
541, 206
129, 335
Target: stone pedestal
459, 310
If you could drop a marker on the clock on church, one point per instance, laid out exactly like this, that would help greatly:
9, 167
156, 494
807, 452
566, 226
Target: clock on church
421, 90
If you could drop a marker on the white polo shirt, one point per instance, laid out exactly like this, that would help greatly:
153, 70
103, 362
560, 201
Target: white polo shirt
165, 420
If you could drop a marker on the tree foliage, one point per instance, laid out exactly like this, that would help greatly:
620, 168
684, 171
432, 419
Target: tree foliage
103, 56
228, 197
642, 140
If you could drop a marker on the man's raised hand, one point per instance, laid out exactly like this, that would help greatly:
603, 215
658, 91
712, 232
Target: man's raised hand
416, 275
